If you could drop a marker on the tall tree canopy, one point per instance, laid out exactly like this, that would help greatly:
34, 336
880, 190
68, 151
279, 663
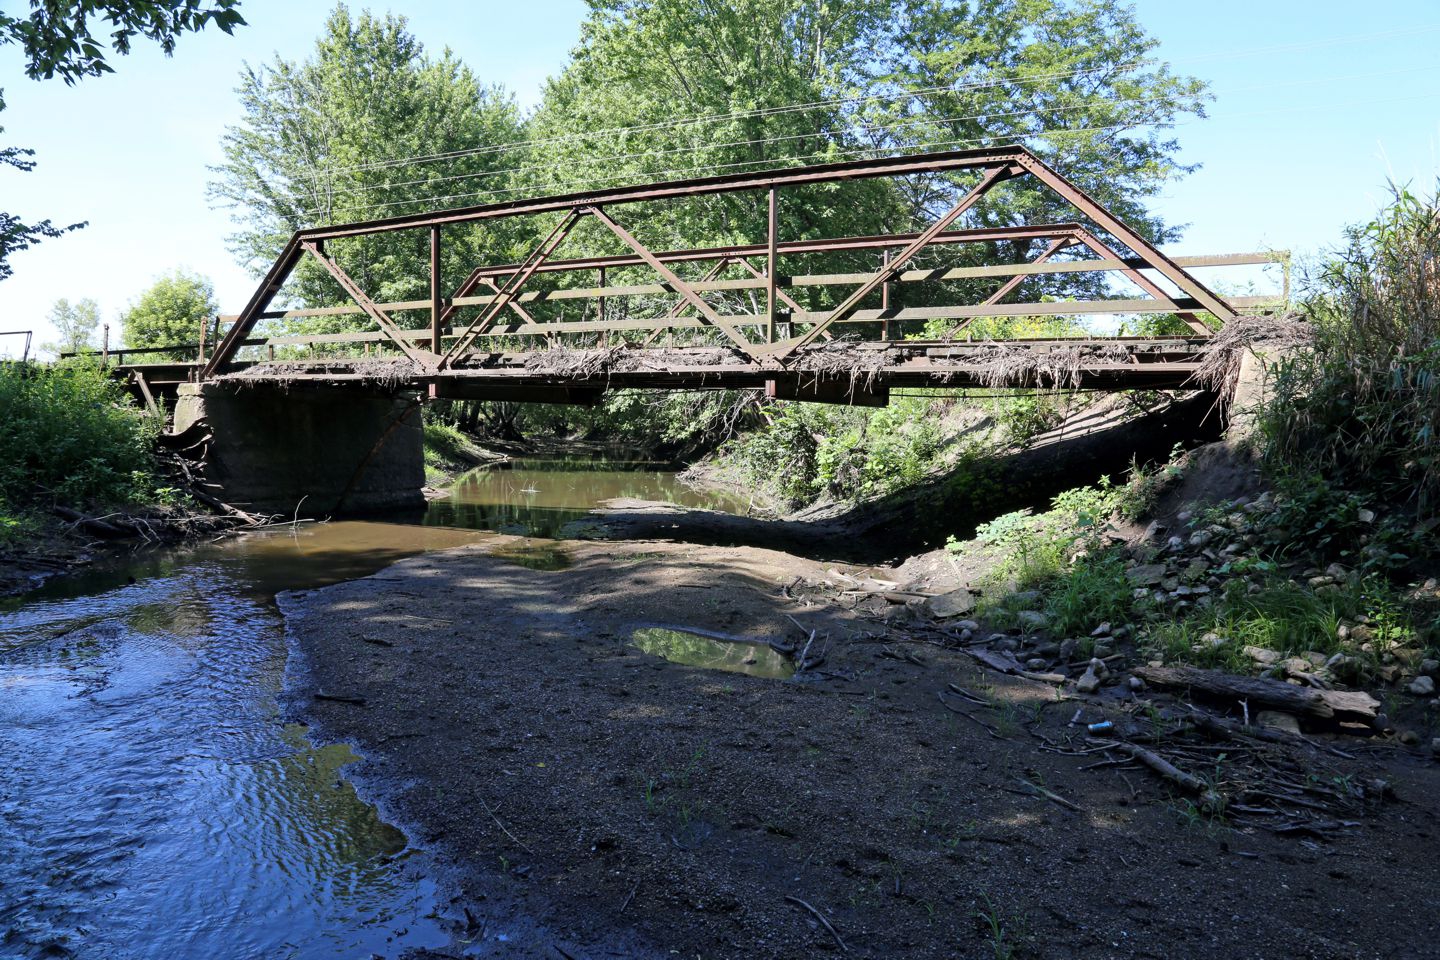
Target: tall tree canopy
788, 82
57, 41
334, 139
172, 311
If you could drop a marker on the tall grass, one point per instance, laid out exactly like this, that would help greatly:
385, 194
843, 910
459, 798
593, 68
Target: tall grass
69, 435
1361, 409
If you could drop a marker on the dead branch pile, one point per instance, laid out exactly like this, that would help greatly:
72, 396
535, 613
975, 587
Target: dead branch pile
1220, 358
834, 359
1002, 365
387, 374
597, 361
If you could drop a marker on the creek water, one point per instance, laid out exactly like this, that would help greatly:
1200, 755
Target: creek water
153, 800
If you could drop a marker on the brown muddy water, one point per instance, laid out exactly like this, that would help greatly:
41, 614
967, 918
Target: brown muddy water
154, 802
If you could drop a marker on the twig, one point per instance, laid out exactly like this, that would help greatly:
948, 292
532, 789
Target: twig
823, 922
1049, 795
971, 717
630, 896
505, 828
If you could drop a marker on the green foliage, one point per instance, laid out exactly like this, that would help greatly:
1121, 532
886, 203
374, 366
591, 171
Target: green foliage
323, 140
70, 435
76, 323
57, 41
1288, 618
809, 450
1362, 410
172, 311
1094, 589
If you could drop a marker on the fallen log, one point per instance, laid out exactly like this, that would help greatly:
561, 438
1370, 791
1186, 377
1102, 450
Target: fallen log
1209, 799
1326, 704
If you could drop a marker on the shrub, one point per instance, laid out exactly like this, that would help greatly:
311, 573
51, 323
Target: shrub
69, 434
1361, 409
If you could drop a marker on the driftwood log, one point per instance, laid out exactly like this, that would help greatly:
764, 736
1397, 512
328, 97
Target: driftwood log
1274, 694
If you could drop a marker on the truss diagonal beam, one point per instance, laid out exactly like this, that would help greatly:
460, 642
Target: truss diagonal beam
1117, 228
259, 302
679, 286
991, 177
512, 287
1052, 248
1105, 251
422, 358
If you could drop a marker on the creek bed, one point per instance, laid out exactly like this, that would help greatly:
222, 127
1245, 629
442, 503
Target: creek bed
153, 793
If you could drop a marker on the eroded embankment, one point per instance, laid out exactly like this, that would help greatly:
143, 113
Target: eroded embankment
899, 800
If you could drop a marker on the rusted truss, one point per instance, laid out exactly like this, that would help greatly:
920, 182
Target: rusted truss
503, 291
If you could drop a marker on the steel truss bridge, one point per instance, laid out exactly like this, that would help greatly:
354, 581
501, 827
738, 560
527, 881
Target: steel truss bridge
490, 338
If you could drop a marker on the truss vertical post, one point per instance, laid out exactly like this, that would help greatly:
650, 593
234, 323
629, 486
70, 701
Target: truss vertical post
885, 328
772, 242
437, 299
992, 176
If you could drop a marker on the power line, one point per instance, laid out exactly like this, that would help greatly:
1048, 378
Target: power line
1039, 134
817, 104
916, 121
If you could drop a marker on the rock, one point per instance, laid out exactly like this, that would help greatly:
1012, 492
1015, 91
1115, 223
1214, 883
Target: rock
1048, 650
1429, 668
1365, 516
1169, 583
1201, 538
1409, 737
1101, 650
1136, 684
1296, 666
1036, 663
1336, 571
1175, 544
1184, 516
1345, 668
1259, 654
1101, 631
1025, 598
1007, 643
1422, 687
1390, 672
1435, 745
1121, 632
897, 613
967, 635
1211, 641
1146, 574
1067, 648
1032, 620
970, 625
1278, 720
1097, 667
1088, 683
951, 604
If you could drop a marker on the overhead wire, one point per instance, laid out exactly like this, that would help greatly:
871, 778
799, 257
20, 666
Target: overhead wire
818, 104
882, 127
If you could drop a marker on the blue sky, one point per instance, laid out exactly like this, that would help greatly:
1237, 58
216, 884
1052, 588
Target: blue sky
1317, 104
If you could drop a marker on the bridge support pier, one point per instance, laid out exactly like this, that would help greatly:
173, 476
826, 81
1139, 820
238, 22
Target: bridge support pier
323, 450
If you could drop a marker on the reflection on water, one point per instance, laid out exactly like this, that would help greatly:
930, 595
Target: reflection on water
698, 650
153, 803
550, 498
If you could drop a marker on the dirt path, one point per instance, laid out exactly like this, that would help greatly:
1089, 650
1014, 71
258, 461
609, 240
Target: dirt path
635, 807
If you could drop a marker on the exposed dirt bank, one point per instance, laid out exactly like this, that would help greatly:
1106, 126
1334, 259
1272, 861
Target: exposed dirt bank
638, 807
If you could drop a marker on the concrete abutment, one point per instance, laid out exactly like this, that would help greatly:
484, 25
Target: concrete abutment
323, 450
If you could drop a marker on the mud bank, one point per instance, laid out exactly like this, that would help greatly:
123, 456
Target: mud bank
636, 807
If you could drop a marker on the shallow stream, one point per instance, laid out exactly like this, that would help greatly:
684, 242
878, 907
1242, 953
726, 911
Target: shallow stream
153, 800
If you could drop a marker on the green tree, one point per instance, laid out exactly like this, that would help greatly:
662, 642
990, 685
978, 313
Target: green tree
56, 40
783, 82
333, 139
76, 323
172, 311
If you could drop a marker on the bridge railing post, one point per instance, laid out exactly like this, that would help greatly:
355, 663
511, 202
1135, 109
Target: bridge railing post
772, 242
437, 300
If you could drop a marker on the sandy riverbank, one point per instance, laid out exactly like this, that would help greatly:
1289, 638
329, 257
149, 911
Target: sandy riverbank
634, 806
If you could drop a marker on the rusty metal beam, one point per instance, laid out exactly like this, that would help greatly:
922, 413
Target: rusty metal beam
700, 186
512, 286
678, 285
423, 359
1121, 231
992, 176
